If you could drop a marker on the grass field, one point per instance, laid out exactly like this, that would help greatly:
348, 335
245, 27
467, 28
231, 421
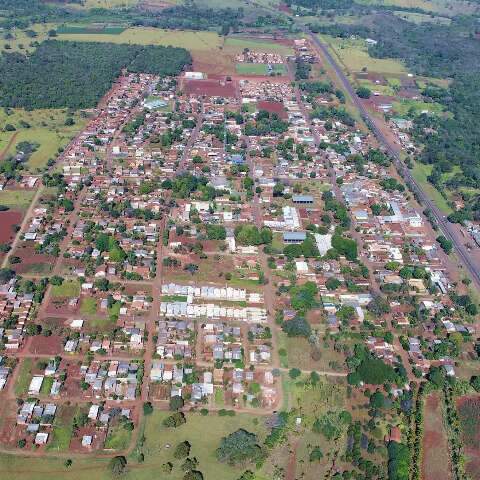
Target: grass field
419, 18
21, 41
88, 306
156, 454
190, 40
354, 56
258, 69
46, 385
445, 7
238, 44
415, 107
47, 130
24, 376
420, 173
66, 289
118, 438
18, 199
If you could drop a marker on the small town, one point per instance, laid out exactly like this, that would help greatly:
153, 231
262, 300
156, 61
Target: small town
240, 251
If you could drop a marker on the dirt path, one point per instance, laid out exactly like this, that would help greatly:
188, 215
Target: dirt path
292, 461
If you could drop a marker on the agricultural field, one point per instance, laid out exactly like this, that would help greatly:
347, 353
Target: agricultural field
435, 447
420, 18
46, 129
469, 415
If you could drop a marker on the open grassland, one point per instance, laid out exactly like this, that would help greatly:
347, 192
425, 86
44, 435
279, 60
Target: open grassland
45, 128
403, 107
419, 18
21, 40
16, 199
190, 40
420, 173
66, 290
444, 7
353, 55
155, 450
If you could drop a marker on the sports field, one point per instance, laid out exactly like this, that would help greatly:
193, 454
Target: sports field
259, 69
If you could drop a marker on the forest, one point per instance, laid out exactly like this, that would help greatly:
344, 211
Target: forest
67, 74
439, 51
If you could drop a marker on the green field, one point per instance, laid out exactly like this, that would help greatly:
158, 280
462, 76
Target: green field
46, 385
259, 69
190, 40
46, 129
353, 54
403, 107
69, 288
21, 41
238, 44
420, 173
24, 376
155, 451
118, 438
16, 199
90, 29
88, 306
445, 7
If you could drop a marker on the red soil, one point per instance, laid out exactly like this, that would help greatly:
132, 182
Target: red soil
7, 220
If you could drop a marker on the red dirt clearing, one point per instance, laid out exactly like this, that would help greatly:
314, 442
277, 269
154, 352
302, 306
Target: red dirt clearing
210, 88
273, 107
7, 220
435, 457
41, 345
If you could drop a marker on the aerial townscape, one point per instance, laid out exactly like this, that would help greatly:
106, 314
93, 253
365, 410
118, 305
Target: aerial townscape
240, 240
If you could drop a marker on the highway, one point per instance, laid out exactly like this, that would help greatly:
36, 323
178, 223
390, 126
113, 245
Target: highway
447, 228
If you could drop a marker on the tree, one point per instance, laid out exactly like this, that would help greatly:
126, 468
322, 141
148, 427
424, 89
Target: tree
332, 283
239, 447
193, 475
176, 402
175, 420
297, 327
182, 450
118, 465
147, 408
364, 92
315, 455
294, 373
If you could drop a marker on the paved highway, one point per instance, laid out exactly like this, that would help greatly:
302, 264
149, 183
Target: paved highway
447, 228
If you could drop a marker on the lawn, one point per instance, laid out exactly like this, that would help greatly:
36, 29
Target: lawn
258, 69
24, 376
88, 306
17, 199
46, 385
69, 289
420, 172
62, 428
219, 397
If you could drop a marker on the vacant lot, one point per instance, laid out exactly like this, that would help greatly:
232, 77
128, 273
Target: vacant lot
435, 448
16, 198
24, 376
66, 289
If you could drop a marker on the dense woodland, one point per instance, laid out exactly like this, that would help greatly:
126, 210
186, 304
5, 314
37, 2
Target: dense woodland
443, 52
67, 74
